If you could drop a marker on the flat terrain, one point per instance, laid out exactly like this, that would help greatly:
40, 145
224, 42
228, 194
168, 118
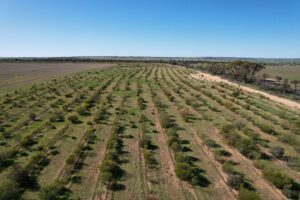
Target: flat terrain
18, 75
291, 72
146, 131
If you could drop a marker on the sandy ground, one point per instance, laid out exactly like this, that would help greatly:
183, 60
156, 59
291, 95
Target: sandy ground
287, 102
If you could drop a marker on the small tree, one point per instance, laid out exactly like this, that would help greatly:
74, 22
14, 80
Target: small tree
295, 83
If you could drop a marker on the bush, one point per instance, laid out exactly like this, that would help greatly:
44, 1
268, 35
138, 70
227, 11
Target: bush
81, 110
176, 147
32, 116
101, 115
23, 177
110, 171
289, 139
228, 167
294, 163
211, 143
183, 171
52, 192
73, 118
9, 190
57, 117
277, 178
267, 129
182, 158
171, 132
235, 181
40, 159
185, 113
278, 152
149, 158
245, 194
173, 140
5, 158
145, 143
165, 121
27, 141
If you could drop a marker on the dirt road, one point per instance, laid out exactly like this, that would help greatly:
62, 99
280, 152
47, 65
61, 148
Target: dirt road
287, 102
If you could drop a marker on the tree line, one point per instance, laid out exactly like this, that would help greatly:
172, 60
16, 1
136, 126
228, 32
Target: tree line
247, 72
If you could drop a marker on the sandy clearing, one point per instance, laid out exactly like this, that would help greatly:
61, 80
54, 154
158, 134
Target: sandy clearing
212, 78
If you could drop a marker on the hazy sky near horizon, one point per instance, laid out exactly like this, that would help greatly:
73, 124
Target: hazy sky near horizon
238, 28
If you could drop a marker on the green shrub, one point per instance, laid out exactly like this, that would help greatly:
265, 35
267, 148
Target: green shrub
5, 158
23, 177
294, 163
81, 110
245, 194
182, 158
27, 141
183, 171
74, 119
145, 143
267, 129
9, 190
289, 139
228, 167
235, 181
172, 132
277, 178
150, 159
110, 171
52, 192
211, 143
32, 116
278, 152
57, 117
173, 140
165, 121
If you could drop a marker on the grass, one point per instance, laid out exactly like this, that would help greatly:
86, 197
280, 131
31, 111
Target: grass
291, 72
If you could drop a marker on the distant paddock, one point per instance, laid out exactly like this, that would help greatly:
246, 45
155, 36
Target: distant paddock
17, 75
291, 72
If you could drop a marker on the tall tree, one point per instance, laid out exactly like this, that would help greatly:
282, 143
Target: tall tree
295, 83
244, 70
285, 85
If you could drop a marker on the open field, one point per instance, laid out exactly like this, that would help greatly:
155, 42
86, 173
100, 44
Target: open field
291, 72
146, 131
18, 75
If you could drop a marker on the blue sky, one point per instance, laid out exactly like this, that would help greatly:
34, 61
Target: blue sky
240, 28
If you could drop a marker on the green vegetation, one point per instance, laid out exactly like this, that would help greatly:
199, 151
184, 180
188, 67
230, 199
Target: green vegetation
147, 131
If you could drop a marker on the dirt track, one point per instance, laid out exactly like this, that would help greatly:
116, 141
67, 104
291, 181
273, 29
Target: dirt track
201, 75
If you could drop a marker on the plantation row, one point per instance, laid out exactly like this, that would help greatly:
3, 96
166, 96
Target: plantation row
139, 131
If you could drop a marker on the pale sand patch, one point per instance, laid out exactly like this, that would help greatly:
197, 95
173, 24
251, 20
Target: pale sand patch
209, 77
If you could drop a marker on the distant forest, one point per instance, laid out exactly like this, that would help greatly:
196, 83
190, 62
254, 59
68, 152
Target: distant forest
172, 60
